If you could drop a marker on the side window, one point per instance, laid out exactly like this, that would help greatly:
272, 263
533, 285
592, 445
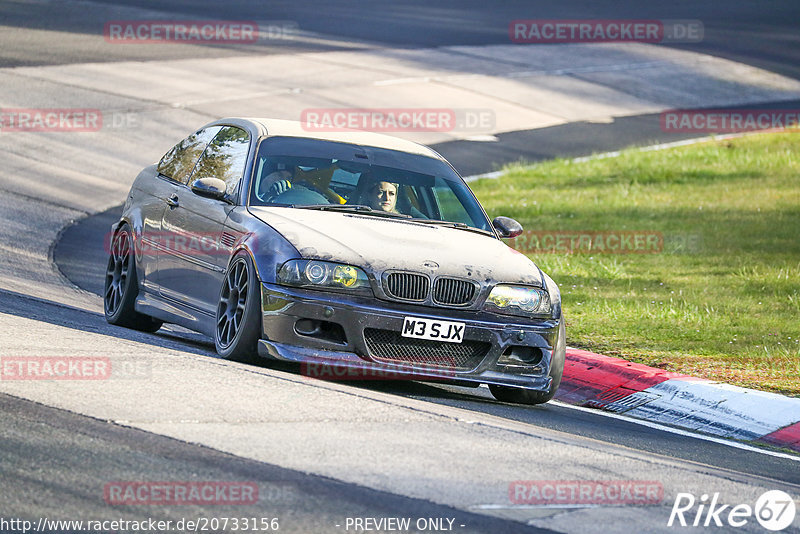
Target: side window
178, 163
225, 158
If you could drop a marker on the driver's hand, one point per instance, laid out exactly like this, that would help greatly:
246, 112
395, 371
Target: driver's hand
281, 186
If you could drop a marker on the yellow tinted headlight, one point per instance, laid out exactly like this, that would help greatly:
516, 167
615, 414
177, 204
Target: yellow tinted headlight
519, 300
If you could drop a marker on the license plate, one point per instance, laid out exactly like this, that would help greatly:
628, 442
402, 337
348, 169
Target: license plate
433, 329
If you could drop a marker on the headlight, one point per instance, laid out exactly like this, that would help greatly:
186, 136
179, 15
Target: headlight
519, 300
323, 275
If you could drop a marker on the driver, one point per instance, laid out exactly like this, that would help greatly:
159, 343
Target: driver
381, 196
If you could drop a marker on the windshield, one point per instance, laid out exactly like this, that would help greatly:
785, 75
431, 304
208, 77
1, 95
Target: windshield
302, 172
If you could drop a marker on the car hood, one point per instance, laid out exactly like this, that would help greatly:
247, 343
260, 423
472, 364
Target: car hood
378, 244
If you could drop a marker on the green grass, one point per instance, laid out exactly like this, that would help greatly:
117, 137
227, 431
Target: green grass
721, 300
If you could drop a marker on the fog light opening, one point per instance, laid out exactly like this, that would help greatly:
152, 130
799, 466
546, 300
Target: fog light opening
521, 355
324, 330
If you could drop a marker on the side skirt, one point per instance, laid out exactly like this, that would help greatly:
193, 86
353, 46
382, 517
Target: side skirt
173, 312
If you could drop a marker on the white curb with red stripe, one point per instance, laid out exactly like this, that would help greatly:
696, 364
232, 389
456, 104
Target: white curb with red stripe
719, 409
700, 405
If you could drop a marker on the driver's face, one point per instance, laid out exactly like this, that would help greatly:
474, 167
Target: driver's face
382, 196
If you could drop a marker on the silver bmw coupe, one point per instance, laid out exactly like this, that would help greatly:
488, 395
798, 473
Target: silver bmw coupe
347, 250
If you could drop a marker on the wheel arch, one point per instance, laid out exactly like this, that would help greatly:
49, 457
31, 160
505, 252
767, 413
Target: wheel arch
268, 250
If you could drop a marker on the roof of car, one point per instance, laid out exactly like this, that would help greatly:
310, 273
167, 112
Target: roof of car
273, 127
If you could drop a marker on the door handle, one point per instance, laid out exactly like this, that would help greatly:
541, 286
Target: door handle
173, 201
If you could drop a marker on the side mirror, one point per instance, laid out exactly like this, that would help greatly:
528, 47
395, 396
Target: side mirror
209, 188
507, 227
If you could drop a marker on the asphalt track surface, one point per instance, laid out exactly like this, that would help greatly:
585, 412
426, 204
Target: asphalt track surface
53, 458
48, 483
756, 33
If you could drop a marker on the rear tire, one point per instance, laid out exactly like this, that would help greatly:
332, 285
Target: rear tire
526, 396
121, 286
238, 319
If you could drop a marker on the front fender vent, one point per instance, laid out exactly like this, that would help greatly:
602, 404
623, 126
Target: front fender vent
227, 239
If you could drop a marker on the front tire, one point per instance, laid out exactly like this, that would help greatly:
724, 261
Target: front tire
238, 320
525, 396
121, 286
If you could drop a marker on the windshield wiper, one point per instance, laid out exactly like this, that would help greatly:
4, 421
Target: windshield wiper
333, 207
353, 208
452, 224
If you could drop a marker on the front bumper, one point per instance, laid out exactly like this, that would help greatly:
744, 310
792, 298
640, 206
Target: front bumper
345, 340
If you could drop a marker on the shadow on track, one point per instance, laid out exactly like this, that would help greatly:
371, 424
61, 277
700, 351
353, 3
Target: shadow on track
19, 305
